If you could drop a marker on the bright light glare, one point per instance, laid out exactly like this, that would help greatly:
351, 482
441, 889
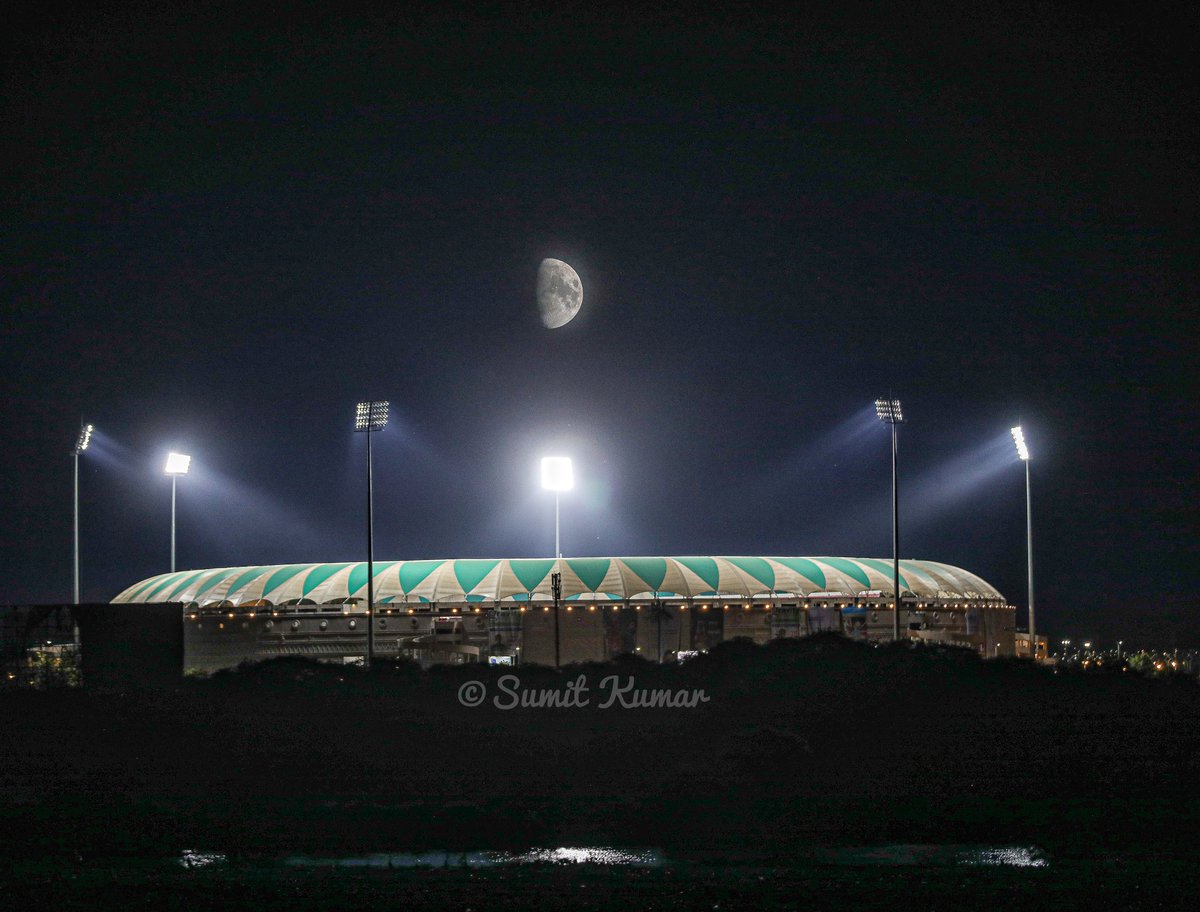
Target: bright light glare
177, 464
85, 437
1019, 439
889, 410
557, 473
371, 416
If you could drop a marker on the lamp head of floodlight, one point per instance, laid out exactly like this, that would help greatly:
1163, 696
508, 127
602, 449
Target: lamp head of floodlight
889, 411
557, 473
178, 464
1019, 440
371, 416
85, 438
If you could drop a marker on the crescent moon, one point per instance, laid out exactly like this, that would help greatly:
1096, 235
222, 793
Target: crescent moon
559, 293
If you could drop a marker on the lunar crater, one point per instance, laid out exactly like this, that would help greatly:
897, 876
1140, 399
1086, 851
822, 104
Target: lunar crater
559, 293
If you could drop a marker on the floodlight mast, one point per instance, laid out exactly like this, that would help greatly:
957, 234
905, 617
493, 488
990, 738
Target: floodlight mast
369, 417
81, 444
177, 464
889, 412
556, 592
1023, 454
558, 475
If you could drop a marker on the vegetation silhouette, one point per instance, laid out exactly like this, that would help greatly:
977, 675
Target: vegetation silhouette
801, 742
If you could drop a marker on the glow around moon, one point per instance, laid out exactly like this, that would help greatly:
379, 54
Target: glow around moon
559, 293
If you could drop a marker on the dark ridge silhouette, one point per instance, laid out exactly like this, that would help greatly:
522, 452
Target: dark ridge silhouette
801, 742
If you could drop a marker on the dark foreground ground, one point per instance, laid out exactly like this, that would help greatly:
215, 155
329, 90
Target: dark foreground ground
1130, 883
755, 799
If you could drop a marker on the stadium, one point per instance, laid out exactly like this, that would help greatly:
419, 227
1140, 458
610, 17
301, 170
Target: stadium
502, 611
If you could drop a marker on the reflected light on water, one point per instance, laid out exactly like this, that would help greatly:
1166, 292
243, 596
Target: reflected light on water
565, 855
608, 856
602, 856
190, 858
1006, 856
936, 855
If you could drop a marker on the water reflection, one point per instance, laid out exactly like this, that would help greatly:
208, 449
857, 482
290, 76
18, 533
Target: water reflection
190, 858
920, 855
602, 856
1007, 856
565, 855
937, 856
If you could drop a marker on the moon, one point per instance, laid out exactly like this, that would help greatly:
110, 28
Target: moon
559, 293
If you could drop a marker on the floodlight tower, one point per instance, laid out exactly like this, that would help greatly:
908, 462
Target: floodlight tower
369, 417
889, 412
556, 591
558, 475
177, 464
81, 444
1023, 455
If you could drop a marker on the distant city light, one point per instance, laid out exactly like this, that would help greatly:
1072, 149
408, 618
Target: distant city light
1019, 440
557, 473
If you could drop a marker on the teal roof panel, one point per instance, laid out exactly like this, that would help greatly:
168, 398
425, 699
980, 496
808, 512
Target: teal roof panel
492, 580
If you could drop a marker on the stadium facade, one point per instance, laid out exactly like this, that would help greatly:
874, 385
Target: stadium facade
502, 610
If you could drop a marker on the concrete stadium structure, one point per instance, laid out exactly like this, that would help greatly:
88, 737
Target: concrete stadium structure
501, 610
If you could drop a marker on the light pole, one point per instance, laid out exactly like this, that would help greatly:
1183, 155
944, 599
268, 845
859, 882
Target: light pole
81, 444
177, 464
1023, 455
556, 591
889, 412
369, 417
557, 475
657, 607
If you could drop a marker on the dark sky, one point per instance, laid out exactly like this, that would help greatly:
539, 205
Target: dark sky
221, 229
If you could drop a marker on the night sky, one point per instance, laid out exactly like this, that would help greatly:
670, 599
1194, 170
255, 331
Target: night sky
222, 229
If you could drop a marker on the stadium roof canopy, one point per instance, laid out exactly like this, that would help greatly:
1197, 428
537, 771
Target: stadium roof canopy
592, 578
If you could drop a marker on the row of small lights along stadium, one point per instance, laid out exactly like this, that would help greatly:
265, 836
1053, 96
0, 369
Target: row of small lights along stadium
431, 608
